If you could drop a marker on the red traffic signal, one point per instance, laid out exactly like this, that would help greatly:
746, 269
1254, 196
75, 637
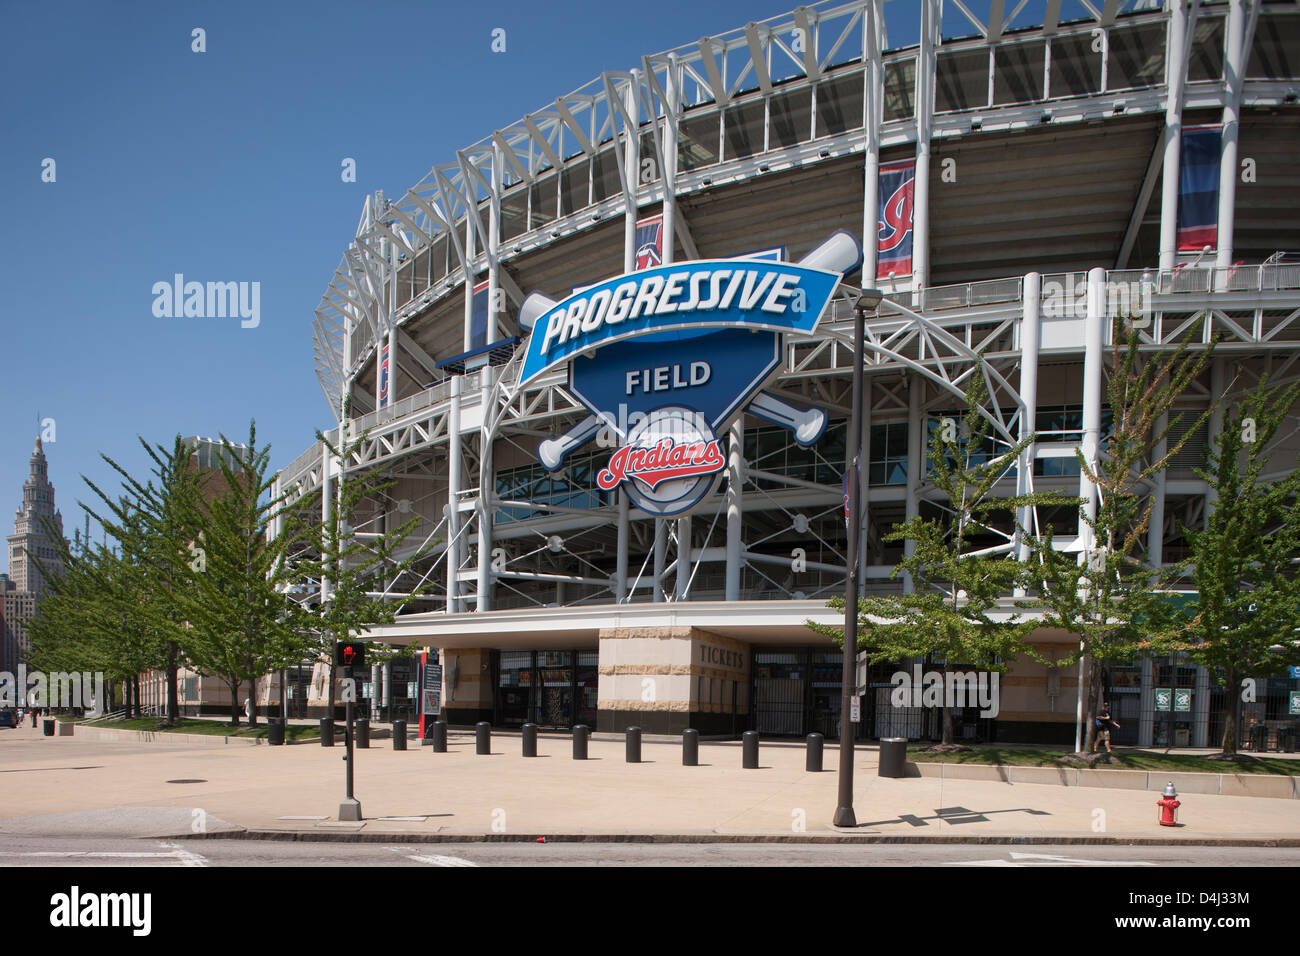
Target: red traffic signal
350, 654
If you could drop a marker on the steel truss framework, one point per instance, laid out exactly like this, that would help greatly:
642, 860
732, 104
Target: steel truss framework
929, 335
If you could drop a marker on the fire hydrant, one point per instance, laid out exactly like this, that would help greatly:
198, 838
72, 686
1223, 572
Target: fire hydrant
1168, 805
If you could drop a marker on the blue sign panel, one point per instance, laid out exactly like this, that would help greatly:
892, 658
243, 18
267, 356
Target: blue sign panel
710, 371
709, 293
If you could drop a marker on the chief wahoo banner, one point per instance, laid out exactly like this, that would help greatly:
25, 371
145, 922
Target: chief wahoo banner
666, 357
895, 220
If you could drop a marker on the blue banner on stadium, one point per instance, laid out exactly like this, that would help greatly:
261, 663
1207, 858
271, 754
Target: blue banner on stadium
1198, 188
895, 219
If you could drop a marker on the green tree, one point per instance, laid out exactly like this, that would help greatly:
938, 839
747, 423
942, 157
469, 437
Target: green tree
1107, 594
154, 526
957, 611
243, 622
1242, 564
353, 565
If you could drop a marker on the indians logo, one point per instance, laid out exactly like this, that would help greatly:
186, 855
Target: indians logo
666, 461
649, 242
897, 222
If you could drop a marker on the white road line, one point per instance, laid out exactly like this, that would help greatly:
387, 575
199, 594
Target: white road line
183, 857
187, 857
1033, 859
440, 860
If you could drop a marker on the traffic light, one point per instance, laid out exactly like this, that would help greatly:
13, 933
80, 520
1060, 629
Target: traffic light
350, 654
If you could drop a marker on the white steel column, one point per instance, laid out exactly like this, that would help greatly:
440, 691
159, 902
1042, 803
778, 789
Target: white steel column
916, 442
326, 507
483, 507
494, 245
660, 558
872, 114
452, 549
1156, 527
1030, 329
469, 278
392, 320
673, 92
1093, 336
683, 578
735, 509
921, 188
1175, 74
1234, 65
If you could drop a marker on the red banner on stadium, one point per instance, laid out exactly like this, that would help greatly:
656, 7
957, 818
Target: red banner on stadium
894, 225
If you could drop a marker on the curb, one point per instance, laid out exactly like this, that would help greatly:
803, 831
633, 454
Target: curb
313, 836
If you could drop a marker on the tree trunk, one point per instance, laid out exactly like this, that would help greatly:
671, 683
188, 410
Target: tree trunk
252, 697
127, 698
173, 695
1090, 702
1230, 725
234, 702
135, 690
947, 724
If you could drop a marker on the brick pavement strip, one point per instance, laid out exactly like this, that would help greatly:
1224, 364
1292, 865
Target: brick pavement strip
503, 796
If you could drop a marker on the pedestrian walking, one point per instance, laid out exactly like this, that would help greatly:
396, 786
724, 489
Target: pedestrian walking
1104, 725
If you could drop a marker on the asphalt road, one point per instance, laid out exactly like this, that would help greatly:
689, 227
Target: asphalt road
17, 850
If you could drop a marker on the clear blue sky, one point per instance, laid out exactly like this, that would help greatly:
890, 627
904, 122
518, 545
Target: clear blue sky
225, 166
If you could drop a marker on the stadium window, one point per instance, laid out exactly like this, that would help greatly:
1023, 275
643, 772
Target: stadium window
604, 175
1137, 57
1206, 60
650, 154
743, 125
1076, 69
791, 117
961, 81
405, 283
575, 187
1018, 72
542, 201
900, 89
887, 464
423, 265
697, 141
839, 105
1276, 53
438, 258
514, 211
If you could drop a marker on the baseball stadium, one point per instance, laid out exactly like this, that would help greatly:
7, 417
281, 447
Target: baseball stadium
604, 355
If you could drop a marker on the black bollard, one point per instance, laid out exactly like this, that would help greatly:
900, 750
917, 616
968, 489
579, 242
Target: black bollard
530, 740
440, 736
399, 735
813, 764
690, 748
634, 745
580, 735
749, 743
362, 738
327, 731
483, 737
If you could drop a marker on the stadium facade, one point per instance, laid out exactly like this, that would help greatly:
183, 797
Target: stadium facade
1014, 183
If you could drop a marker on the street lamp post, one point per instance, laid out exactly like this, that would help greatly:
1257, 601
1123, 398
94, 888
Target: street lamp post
844, 816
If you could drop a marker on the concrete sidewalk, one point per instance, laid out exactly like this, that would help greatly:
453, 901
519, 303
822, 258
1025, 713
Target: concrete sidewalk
417, 794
